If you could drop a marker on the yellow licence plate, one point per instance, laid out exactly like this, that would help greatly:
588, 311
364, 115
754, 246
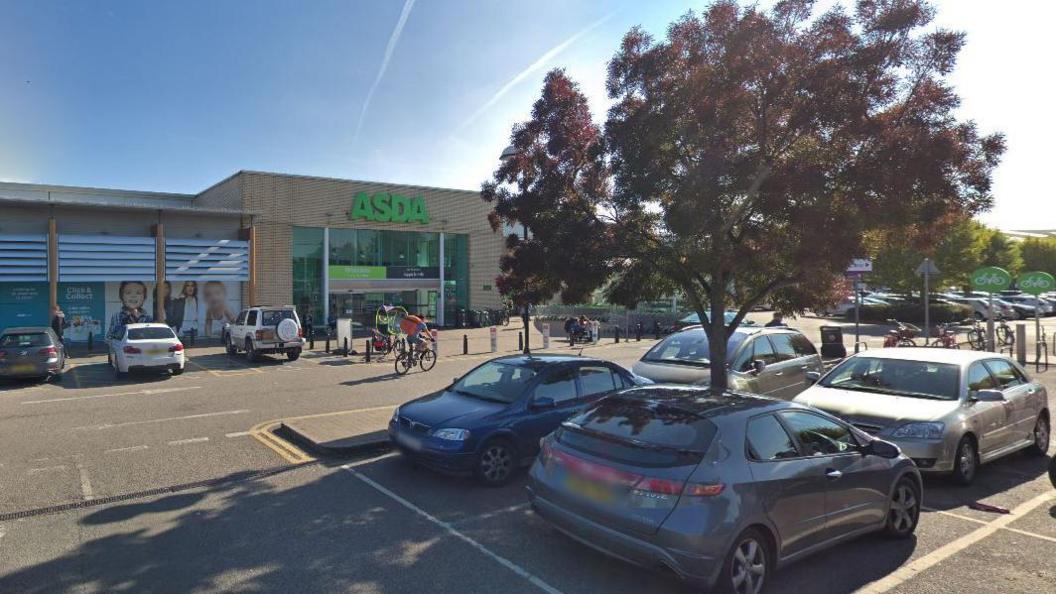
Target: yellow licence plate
589, 489
156, 351
22, 368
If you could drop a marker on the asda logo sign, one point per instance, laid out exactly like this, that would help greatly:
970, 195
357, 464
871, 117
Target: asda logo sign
388, 208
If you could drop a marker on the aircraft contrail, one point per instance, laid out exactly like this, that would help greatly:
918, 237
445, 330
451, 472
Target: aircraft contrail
536, 65
393, 39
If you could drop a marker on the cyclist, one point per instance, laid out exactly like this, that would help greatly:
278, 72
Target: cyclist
413, 326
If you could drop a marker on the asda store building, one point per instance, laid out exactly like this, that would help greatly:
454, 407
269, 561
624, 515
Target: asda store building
337, 248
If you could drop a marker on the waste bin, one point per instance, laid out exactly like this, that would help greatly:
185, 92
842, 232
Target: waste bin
832, 342
460, 318
474, 318
485, 317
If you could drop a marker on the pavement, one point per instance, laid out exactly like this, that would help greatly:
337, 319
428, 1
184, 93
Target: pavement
181, 484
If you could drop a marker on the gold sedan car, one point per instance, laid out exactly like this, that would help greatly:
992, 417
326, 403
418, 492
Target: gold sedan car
948, 410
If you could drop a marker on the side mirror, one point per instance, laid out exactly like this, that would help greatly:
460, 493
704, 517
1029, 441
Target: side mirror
543, 403
813, 376
758, 366
988, 396
882, 449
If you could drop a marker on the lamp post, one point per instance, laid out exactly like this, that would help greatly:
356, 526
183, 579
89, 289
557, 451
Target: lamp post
507, 154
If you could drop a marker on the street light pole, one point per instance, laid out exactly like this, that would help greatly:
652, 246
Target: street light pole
507, 154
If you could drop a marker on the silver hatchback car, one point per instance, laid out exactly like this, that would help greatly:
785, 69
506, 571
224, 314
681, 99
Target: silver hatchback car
721, 490
949, 410
777, 362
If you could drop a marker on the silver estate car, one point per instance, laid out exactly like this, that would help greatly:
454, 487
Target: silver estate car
777, 362
721, 490
949, 410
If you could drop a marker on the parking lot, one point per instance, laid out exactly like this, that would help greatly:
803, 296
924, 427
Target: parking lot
158, 484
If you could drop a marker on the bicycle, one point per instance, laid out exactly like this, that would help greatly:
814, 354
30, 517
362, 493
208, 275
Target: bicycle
412, 357
1003, 334
902, 336
976, 335
945, 336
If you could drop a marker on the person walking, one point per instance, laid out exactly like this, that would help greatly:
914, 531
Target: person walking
58, 322
776, 321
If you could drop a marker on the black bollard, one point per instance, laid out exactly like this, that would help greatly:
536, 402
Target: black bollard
369, 350
520, 341
638, 332
346, 347
327, 344
90, 340
465, 344
311, 341
617, 332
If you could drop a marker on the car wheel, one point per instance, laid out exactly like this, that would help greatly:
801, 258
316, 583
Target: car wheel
747, 567
251, 355
904, 510
177, 371
229, 345
293, 355
57, 378
965, 462
118, 373
1052, 471
1040, 447
978, 316
497, 463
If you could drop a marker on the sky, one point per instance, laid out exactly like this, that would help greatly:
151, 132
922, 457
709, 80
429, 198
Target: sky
175, 96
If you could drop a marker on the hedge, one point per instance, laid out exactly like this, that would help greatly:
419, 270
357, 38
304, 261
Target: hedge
913, 313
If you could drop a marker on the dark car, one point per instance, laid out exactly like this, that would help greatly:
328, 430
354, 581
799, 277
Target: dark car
489, 421
31, 352
719, 489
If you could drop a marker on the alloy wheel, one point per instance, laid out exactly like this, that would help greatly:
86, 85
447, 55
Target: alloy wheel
496, 463
904, 509
749, 567
1041, 436
966, 462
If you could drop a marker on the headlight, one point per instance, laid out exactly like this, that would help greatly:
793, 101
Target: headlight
452, 434
395, 415
920, 431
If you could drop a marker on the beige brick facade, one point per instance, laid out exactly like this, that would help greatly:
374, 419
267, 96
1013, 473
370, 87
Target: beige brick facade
278, 203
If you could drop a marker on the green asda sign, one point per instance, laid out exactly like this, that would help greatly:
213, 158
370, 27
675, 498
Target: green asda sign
388, 208
340, 272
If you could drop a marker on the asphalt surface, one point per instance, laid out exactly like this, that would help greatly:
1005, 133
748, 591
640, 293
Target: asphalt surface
159, 484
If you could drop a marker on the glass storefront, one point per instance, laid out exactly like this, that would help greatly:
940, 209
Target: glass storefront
369, 268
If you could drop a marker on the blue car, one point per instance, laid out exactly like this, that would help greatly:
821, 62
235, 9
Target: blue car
489, 422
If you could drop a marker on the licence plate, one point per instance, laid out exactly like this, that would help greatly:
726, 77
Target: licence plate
589, 489
22, 368
156, 351
409, 441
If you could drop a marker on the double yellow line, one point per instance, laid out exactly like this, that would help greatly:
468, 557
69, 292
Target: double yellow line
286, 450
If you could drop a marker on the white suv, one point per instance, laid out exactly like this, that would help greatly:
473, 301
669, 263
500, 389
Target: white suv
264, 329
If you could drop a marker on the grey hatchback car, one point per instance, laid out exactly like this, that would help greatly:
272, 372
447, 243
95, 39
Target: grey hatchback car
778, 362
721, 490
31, 352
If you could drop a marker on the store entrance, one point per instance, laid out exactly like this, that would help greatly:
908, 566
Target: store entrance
361, 306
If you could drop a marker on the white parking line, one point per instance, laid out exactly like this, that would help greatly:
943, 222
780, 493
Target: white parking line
984, 522
150, 392
240, 411
86, 485
33, 471
238, 434
913, 569
536, 581
491, 514
135, 448
186, 441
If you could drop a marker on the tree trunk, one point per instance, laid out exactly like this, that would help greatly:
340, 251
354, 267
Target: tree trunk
717, 335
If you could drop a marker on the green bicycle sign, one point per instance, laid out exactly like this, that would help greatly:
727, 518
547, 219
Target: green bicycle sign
1036, 283
991, 279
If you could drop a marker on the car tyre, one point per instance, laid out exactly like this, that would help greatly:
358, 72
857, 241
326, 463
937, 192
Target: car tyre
177, 371
1052, 471
497, 463
904, 511
293, 355
747, 567
1041, 434
251, 353
229, 345
965, 461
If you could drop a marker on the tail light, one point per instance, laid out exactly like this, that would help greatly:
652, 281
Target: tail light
49, 351
131, 350
666, 487
176, 348
300, 332
260, 335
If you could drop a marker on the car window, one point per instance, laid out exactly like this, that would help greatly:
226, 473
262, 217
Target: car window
150, 333
35, 339
251, 319
271, 317
803, 346
561, 386
763, 351
819, 436
597, 379
783, 349
1007, 375
241, 318
979, 378
768, 440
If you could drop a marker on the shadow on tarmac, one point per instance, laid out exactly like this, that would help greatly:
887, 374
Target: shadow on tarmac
994, 478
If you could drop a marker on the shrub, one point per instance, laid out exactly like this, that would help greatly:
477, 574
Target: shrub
913, 313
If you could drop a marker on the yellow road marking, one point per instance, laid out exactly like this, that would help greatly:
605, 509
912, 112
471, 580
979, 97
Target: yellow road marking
202, 367
288, 451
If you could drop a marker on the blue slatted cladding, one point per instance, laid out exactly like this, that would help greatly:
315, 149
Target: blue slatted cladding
105, 258
206, 259
23, 258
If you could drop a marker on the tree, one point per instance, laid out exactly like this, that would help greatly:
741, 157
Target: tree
996, 249
1039, 253
550, 186
955, 243
754, 151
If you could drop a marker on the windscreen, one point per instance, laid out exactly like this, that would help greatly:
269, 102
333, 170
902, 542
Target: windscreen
495, 381
898, 377
36, 339
150, 333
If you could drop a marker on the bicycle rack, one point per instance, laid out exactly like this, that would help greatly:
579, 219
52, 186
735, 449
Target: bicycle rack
1041, 348
861, 343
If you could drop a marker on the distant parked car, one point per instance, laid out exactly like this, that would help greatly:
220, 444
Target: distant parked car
265, 329
145, 347
980, 306
770, 361
488, 422
949, 410
1029, 301
721, 490
31, 352
694, 320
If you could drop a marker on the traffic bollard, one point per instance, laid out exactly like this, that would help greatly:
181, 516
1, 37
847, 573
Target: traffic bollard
520, 341
346, 347
327, 344
638, 332
465, 344
617, 332
90, 340
370, 349
311, 342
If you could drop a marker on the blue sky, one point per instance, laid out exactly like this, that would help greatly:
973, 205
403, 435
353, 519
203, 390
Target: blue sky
174, 96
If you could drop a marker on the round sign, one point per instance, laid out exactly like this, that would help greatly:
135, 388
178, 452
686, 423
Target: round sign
991, 279
1036, 283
